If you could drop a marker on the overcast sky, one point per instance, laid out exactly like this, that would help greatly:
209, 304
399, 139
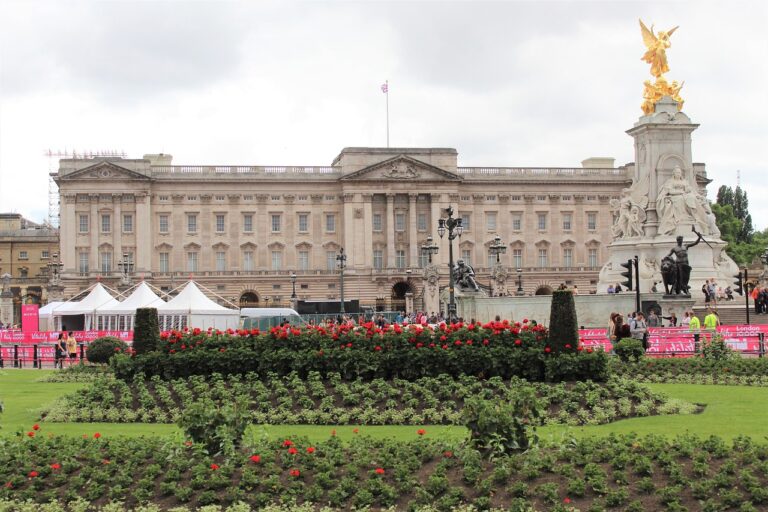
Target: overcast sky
292, 83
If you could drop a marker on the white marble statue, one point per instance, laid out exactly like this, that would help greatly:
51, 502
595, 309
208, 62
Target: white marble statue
677, 203
630, 216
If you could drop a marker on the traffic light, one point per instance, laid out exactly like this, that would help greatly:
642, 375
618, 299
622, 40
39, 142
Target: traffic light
628, 274
738, 284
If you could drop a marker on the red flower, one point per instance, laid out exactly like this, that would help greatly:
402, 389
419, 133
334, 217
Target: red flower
486, 342
518, 342
96, 435
445, 347
255, 459
311, 449
55, 466
547, 350
33, 474
377, 348
292, 450
35, 427
589, 350
447, 454
287, 443
469, 342
355, 430
117, 349
187, 443
349, 345
421, 431
295, 473
525, 320
214, 467
580, 348
457, 343
31, 434
567, 500
105, 462
567, 345
379, 471
419, 345
333, 433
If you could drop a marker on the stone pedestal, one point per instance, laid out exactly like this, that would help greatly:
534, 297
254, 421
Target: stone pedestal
431, 288
409, 302
667, 198
6, 308
55, 292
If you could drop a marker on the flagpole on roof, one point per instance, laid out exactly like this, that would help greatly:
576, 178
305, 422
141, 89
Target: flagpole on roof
385, 90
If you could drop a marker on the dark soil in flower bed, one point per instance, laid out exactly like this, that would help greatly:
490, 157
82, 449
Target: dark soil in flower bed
613, 473
317, 401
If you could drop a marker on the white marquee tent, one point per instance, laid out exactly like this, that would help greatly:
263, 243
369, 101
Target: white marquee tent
121, 316
191, 308
81, 315
46, 315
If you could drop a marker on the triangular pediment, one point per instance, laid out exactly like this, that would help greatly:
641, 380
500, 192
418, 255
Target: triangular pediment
402, 168
105, 171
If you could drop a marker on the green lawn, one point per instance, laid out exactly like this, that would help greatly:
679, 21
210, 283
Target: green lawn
730, 411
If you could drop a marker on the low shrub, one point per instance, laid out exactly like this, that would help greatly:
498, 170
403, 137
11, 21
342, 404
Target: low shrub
101, 350
368, 352
717, 349
629, 349
499, 428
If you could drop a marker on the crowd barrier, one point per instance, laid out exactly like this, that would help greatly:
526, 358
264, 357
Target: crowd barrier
682, 342
37, 349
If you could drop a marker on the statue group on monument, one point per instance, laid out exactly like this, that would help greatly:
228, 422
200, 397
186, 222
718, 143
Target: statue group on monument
675, 268
464, 276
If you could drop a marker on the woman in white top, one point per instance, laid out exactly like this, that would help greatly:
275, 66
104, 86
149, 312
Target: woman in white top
686, 321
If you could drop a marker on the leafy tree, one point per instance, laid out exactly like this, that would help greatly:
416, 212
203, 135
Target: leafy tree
737, 200
563, 324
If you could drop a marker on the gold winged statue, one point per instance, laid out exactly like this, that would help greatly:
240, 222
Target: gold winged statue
656, 56
657, 46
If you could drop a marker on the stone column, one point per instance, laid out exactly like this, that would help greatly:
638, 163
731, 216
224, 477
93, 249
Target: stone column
6, 307
413, 240
68, 234
435, 214
390, 231
94, 227
409, 302
143, 229
367, 231
117, 231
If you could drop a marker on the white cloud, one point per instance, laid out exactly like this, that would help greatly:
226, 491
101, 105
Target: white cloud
505, 83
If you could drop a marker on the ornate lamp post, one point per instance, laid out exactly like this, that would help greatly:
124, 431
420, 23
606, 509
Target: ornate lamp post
454, 229
293, 290
497, 248
341, 261
429, 248
126, 268
520, 291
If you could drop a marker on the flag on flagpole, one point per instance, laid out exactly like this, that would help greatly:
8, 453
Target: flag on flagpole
385, 87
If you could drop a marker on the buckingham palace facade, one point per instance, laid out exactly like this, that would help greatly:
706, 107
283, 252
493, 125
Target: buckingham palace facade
241, 231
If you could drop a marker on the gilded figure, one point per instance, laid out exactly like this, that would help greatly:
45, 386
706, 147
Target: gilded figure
657, 45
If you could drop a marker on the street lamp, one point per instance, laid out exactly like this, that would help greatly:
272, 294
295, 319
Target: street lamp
126, 268
497, 248
520, 291
454, 229
341, 261
429, 248
293, 286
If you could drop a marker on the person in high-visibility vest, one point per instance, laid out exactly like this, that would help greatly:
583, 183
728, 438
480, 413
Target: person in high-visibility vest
711, 321
694, 327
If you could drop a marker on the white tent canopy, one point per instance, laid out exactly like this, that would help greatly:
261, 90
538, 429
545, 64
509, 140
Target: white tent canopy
121, 316
191, 308
72, 310
46, 313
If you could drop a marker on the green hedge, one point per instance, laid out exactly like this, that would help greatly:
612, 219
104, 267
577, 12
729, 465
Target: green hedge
670, 367
101, 350
368, 353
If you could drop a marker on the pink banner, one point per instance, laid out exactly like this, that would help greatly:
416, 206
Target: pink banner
30, 319
30, 338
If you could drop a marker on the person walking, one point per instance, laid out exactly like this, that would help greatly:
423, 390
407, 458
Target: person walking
653, 319
711, 321
640, 331
71, 348
59, 351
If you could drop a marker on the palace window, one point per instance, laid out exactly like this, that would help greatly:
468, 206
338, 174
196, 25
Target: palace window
400, 259
23, 255
517, 258
303, 222
542, 221
568, 257
490, 221
221, 261
219, 222
543, 258
303, 260
163, 223
377, 222
192, 260
275, 223
248, 261
248, 222
128, 223
378, 259
106, 261
164, 262
330, 260
591, 221
277, 260
399, 222
83, 262
191, 223
465, 221
106, 223
517, 221
330, 223
421, 221
466, 255
566, 222
83, 220
592, 258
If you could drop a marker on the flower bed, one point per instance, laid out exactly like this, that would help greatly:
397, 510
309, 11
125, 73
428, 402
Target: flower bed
317, 401
494, 349
623, 473
734, 371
